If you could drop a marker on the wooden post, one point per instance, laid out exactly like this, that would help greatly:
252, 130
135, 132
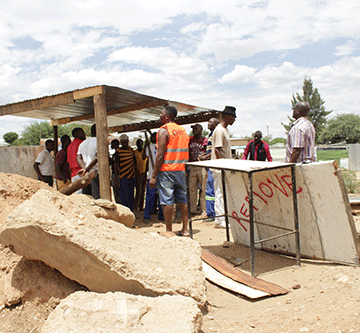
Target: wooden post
102, 145
56, 136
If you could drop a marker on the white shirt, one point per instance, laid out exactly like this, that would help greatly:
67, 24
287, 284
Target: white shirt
153, 154
46, 161
88, 151
221, 139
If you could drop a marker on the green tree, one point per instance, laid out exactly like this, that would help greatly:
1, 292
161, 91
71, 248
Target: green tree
32, 133
343, 127
10, 137
317, 114
35, 131
277, 140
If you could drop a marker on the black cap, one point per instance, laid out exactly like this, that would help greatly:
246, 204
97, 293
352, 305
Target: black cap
231, 110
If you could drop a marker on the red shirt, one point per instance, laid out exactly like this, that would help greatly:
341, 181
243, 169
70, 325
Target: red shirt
196, 147
71, 156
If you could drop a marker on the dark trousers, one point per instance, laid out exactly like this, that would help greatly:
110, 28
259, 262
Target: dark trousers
127, 186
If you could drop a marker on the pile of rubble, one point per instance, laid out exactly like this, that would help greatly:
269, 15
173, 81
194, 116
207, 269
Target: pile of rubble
98, 272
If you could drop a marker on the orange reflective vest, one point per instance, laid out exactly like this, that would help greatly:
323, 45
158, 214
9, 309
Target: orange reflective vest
177, 148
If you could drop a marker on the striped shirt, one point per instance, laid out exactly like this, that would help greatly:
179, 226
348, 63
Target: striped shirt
127, 163
301, 135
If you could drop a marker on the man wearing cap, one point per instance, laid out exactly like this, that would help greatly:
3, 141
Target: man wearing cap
125, 167
221, 148
169, 168
197, 147
257, 150
300, 144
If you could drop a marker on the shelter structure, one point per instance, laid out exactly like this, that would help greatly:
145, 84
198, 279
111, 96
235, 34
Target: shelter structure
112, 109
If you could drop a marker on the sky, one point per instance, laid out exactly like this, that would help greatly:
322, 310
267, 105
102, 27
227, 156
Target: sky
253, 55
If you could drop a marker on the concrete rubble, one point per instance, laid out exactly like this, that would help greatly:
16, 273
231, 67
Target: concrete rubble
119, 312
101, 254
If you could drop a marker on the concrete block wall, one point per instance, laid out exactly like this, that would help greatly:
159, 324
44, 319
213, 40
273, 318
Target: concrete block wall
19, 160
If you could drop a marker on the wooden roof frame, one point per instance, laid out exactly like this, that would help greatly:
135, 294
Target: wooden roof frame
106, 106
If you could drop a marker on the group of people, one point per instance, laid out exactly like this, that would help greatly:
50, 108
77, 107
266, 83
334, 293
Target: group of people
160, 165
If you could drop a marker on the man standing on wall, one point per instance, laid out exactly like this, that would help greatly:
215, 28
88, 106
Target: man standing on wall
221, 149
197, 147
257, 149
44, 163
169, 169
300, 145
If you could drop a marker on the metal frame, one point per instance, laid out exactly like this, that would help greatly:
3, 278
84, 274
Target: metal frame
288, 232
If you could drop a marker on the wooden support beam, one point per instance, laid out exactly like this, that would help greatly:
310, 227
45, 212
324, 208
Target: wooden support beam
182, 120
37, 104
88, 92
131, 107
102, 145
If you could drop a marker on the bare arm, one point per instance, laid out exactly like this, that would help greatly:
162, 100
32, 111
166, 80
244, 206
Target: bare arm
163, 138
36, 167
295, 154
217, 152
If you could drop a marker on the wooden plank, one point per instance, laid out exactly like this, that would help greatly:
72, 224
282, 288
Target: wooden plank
88, 92
102, 146
225, 282
79, 183
37, 104
228, 270
181, 120
58, 122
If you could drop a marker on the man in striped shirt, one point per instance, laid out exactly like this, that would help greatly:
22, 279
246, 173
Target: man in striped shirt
300, 145
125, 165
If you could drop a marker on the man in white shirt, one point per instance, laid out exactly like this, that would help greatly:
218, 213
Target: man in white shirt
44, 163
87, 160
221, 148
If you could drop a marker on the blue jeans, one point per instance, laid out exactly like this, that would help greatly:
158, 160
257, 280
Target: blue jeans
127, 186
172, 187
210, 196
151, 196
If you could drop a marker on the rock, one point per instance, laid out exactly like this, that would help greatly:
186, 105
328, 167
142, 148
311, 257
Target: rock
296, 286
105, 209
100, 254
105, 203
119, 312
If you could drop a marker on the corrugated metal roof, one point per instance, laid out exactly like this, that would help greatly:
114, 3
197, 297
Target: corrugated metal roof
127, 110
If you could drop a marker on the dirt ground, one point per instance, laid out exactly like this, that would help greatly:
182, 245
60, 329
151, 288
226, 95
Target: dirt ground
323, 297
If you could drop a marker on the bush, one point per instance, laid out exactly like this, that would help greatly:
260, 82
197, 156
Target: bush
351, 182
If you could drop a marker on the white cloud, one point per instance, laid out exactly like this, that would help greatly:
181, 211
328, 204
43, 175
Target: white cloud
240, 74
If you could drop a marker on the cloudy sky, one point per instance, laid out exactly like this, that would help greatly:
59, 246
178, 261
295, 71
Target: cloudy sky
250, 54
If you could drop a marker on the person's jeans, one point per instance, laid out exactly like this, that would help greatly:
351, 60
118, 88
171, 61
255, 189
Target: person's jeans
127, 186
150, 202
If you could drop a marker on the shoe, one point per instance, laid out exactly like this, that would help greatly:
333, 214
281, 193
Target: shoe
209, 219
146, 221
180, 234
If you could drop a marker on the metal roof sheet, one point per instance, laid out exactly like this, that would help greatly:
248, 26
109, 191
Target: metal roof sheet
126, 110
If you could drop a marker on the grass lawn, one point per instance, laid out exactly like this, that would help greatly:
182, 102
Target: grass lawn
326, 155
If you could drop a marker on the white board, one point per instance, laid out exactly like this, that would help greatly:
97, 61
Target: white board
327, 229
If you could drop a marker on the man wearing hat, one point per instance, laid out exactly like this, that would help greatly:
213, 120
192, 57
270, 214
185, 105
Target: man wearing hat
300, 144
197, 147
221, 148
125, 167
